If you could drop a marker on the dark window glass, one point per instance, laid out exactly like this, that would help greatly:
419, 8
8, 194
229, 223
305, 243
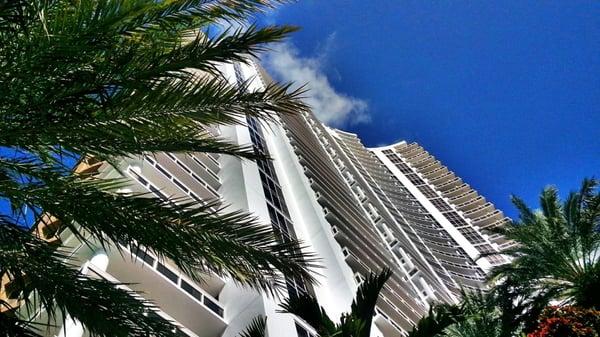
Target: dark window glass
213, 306
141, 253
163, 171
191, 290
140, 179
158, 193
167, 272
178, 183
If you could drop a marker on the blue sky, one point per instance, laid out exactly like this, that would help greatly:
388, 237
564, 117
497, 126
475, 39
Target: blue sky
506, 93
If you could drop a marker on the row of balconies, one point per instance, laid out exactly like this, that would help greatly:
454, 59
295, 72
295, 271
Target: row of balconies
205, 177
448, 175
193, 309
466, 198
178, 181
179, 328
455, 190
479, 210
487, 219
213, 282
435, 173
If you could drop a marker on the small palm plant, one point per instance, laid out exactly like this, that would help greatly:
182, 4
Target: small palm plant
356, 323
114, 78
477, 315
438, 318
557, 251
480, 317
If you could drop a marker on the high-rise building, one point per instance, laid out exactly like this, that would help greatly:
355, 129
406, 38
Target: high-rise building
358, 209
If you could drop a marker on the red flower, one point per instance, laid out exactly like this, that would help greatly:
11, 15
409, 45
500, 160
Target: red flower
567, 322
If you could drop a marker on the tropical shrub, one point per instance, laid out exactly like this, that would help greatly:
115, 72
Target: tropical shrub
568, 321
557, 249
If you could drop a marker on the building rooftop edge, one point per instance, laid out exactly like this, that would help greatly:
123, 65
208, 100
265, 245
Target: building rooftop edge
385, 147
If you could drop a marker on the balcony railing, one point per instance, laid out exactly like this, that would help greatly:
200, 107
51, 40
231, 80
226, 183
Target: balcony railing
198, 294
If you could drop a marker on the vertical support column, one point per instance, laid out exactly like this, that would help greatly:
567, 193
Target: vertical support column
72, 327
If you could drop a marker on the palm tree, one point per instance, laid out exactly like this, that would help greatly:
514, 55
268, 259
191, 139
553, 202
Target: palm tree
113, 78
480, 317
356, 323
519, 306
256, 328
438, 318
477, 315
557, 251
555, 258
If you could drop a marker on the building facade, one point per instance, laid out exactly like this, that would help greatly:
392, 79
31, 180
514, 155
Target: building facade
358, 209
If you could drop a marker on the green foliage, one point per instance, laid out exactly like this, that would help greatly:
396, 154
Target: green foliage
114, 78
307, 307
519, 305
567, 321
356, 323
555, 258
438, 318
480, 317
557, 249
476, 315
256, 328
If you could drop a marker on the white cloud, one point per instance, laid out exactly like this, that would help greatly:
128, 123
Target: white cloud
330, 106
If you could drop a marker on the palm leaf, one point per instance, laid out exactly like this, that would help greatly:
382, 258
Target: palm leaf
114, 79
356, 323
437, 320
256, 328
307, 307
557, 248
39, 279
363, 306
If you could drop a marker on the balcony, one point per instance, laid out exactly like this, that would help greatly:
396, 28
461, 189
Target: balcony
386, 325
447, 176
488, 219
180, 329
436, 173
341, 238
455, 191
354, 261
432, 166
193, 307
464, 200
423, 161
454, 182
480, 210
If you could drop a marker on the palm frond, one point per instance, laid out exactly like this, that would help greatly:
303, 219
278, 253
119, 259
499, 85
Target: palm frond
479, 316
363, 306
120, 78
13, 326
197, 238
307, 307
557, 249
356, 323
256, 328
526, 215
38, 278
439, 317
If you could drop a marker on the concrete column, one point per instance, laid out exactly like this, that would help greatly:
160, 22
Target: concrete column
72, 327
